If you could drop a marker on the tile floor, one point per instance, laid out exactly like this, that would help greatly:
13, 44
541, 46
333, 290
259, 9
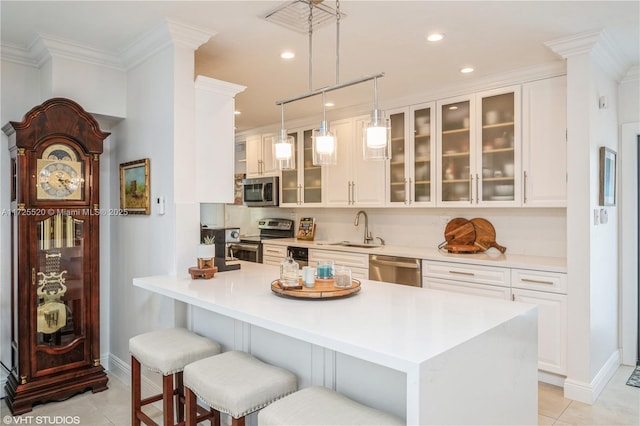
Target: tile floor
618, 404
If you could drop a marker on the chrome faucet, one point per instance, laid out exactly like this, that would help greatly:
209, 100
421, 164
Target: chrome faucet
367, 235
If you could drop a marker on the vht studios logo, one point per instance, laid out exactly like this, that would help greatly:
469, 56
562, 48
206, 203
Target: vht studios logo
41, 420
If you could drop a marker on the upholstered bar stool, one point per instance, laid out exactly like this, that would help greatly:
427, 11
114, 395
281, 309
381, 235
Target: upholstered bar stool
322, 406
167, 352
234, 383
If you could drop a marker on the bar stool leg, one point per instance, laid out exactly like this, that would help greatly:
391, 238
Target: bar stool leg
136, 391
179, 396
167, 399
237, 422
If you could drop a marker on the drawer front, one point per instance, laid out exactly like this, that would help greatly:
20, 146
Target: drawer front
495, 292
467, 273
279, 252
274, 261
553, 282
352, 260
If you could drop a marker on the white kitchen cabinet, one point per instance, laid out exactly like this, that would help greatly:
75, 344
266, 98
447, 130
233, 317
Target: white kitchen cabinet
214, 140
548, 291
479, 149
353, 181
411, 168
479, 280
302, 186
273, 254
259, 150
544, 142
358, 262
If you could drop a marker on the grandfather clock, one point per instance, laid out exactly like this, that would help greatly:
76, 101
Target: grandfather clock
55, 213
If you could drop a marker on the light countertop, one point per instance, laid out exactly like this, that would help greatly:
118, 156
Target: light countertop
393, 325
491, 257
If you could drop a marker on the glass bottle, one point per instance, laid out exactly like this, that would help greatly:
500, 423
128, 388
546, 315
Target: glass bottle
289, 272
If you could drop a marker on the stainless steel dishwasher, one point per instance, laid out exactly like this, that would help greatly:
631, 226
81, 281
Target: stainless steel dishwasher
397, 270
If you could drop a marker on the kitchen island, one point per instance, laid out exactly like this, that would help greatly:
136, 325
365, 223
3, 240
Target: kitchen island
429, 356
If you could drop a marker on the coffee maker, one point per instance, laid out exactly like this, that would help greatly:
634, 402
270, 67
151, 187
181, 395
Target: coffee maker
222, 238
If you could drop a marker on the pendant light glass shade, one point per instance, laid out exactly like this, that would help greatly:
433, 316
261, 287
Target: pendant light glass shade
376, 136
324, 146
284, 151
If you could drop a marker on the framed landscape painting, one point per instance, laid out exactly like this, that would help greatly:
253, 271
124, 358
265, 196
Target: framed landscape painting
134, 187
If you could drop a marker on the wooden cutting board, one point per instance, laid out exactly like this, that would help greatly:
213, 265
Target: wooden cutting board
460, 232
485, 235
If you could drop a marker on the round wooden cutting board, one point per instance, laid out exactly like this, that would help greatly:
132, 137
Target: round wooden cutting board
460, 232
485, 235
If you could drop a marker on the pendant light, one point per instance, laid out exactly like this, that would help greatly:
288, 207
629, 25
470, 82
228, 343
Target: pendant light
377, 134
324, 142
284, 148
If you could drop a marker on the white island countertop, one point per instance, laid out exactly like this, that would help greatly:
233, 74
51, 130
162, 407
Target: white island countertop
395, 326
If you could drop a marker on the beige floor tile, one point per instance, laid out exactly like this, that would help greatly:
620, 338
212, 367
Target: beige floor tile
551, 400
544, 420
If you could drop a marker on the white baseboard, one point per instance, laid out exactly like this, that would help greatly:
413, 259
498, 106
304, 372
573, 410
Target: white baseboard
589, 392
551, 378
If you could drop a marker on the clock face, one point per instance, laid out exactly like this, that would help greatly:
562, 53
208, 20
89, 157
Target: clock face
59, 180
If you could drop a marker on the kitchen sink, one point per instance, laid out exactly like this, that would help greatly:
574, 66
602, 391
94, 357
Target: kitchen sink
359, 245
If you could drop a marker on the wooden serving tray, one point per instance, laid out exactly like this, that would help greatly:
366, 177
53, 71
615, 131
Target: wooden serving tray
324, 289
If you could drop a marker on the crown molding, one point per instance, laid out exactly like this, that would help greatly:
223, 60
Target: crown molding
218, 86
632, 74
599, 45
166, 33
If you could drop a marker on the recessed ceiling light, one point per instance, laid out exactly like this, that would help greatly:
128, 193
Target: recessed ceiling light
237, 112
435, 37
453, 107
329, 104
466, 70
287, 55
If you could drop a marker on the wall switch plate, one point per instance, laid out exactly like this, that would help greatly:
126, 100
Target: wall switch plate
160, 201
604, 216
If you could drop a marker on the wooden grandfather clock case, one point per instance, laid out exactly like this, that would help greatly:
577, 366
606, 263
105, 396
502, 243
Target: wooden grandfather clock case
55, 219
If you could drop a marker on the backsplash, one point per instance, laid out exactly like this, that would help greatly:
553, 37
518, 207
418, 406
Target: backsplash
536, 232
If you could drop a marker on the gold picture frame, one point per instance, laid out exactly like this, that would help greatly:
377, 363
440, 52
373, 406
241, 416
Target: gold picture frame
134, 187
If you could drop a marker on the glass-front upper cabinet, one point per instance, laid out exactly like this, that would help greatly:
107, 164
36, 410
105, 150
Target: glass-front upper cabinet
498, 182
303, 185
479, 149
456, 154
422, 177
398, 170
289, 187
412, 168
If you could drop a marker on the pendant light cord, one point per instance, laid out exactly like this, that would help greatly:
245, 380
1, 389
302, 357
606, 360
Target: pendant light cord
337, 41
310, 44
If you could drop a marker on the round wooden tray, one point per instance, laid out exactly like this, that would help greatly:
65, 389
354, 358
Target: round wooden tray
323, 289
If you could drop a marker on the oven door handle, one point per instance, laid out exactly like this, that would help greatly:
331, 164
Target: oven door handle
246, 247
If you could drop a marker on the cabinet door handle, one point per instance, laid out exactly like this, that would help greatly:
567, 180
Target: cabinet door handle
272, 251
409, 190
524, 185
470, 188
462, 273
477, 186
353, 192
529, 280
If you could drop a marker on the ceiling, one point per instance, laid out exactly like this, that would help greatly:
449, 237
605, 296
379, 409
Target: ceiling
375, 36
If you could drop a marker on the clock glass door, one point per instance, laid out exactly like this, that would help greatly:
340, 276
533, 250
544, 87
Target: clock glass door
58, 277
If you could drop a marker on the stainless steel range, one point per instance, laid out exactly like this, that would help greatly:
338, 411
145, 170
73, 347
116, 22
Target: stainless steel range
250, 247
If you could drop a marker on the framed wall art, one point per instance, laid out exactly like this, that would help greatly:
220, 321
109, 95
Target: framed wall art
134, 187
607, 176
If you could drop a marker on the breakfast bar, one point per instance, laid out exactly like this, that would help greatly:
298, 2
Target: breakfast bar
438, 357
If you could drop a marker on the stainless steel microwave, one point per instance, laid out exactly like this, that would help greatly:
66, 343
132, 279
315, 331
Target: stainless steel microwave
260, 192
